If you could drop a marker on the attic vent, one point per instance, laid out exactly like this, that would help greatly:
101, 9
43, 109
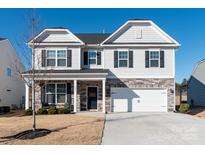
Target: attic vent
138, 33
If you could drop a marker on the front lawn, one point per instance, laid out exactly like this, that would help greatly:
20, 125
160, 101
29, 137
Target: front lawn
66, 129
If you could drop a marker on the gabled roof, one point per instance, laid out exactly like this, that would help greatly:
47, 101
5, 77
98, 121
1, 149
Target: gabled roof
54, 29
92, 38
133, 21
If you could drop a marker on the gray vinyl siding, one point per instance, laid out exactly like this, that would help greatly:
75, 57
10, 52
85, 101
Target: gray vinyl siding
196, 86
139, 69
75, 58
149, 34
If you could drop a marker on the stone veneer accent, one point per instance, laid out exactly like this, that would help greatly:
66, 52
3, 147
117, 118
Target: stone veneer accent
131, 83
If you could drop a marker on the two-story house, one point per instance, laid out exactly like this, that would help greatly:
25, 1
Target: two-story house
12, 89
132, 69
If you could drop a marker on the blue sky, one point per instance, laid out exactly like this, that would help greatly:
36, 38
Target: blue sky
184, 25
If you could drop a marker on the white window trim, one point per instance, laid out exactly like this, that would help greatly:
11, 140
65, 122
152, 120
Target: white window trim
56, 94
56, 57
154, 50
92, 58
123, 59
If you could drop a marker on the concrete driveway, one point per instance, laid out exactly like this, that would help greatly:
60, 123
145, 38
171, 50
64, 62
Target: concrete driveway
153, 128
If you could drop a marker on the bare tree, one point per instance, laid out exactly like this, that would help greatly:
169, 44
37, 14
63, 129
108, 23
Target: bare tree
32, 21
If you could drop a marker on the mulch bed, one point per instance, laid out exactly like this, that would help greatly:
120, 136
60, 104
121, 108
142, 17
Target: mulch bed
28, 134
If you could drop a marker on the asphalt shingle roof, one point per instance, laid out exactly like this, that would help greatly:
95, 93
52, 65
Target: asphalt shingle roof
69, 71
92, 38
1, 39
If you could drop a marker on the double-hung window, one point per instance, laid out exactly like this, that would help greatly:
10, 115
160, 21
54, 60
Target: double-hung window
92, 57
56, 58
55, 93
61, 57
51, 58
50, 93
61, 93
154, 58
123, 58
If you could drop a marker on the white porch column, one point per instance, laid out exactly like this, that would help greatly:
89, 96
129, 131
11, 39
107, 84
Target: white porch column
26, 96
103, 96
75, 96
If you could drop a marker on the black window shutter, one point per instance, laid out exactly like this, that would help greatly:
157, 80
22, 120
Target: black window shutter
146, 59
68, 88
115, 59
43, 58
43, 94
162, 59
131, 59
99, 58
69, 58
85, 58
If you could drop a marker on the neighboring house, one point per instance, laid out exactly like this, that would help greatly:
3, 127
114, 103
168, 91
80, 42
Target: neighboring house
181, 94
196, 85
12, 89
130, 70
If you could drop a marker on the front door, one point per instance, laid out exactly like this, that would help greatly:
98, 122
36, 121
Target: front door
92, 98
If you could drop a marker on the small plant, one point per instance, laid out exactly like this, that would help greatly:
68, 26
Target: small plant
42, 111
28, 112
52, 110
63, 111
184, 108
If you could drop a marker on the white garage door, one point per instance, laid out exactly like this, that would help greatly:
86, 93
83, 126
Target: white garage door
139, 100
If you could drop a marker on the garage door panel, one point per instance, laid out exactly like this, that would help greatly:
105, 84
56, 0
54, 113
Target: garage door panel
136, 100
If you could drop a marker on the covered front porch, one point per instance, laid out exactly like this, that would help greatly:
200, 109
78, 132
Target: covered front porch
78, 91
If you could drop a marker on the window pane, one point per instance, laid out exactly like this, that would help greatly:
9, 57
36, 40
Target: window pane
61, 98
123, 54
51, 98
51, 54
154, 63
61, 62
61, 88
50, 88
122, 63
92, 54
8, 72
92, 61
51, 62
154, 54
61, 54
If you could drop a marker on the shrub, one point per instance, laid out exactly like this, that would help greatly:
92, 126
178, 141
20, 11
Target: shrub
184, 108
63, 111
28, 112
42, 111
52, 110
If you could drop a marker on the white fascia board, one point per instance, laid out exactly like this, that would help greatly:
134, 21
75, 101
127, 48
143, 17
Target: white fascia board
140, 45
56, 44
141, 77
67, 74
45, 30
176, 44
165, 34
69, 79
